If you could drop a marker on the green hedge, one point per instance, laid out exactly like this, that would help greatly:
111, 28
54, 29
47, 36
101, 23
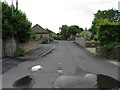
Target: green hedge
108, 32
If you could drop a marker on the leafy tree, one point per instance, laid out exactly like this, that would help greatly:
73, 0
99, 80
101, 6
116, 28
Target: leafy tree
16, 24
100, 16
66, 31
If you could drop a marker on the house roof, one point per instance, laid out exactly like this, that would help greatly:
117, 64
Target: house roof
37, 29
86, 32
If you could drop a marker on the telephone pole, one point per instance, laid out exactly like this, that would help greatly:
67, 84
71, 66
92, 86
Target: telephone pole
17, 4
119, 6
12, 39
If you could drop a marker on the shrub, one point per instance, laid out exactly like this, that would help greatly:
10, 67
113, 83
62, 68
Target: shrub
108, 47
58, 38
19, 52
84, 36
51, 39
109, 32
45, 41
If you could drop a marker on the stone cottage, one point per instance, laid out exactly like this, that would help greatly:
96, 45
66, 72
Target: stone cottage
41, 34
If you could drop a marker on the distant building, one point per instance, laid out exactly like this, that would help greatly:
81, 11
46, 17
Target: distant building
41, 33
119, 6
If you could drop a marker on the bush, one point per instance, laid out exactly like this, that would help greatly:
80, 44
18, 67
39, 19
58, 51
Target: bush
58, 38
108, 47
19, 52
51, 39
84, 36
45, 41
109, 32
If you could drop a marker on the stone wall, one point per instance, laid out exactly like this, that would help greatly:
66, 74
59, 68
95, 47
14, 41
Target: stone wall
95, 48
6, 45
111, 55
80, 41
27, 46
91, 44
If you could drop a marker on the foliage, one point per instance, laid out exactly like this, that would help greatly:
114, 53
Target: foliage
45, 40
0, 20
51, 39
16, 24
58, 37
84, 36
108, 47
108, 32
66, 31
111, 15
19, 52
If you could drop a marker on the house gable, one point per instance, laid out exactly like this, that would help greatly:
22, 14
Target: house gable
37, 29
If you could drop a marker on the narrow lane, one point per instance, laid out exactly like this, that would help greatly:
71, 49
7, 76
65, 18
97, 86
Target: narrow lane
70, 55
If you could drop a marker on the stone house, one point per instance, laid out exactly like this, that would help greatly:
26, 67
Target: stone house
41, 33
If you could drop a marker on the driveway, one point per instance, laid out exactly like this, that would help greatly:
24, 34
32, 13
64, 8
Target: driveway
70, 55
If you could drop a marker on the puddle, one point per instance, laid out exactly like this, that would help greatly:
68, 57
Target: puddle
25, 82
83, 79
36, 68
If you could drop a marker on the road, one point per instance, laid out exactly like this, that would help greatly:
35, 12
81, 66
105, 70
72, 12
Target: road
70, 55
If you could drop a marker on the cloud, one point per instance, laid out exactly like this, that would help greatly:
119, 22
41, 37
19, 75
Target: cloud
54, 13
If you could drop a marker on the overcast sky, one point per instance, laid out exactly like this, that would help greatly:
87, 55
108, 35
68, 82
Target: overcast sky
52, 14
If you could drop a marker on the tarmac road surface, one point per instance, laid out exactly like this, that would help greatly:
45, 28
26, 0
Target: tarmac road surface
70, 55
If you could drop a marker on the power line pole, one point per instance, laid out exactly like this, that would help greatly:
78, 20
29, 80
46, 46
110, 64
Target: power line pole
1, 51
17, 4
17, 38
119, 6
12, 39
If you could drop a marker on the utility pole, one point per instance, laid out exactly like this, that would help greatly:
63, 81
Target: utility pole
17, 4
17, 38
119, 6
1, 51
12, 39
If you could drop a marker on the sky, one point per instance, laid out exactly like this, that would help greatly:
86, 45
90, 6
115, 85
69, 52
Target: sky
52, 14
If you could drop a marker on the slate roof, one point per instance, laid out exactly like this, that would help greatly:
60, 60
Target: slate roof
37, 29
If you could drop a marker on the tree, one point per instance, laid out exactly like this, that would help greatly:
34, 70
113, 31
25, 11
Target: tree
100, 16
66, 31
16, 24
